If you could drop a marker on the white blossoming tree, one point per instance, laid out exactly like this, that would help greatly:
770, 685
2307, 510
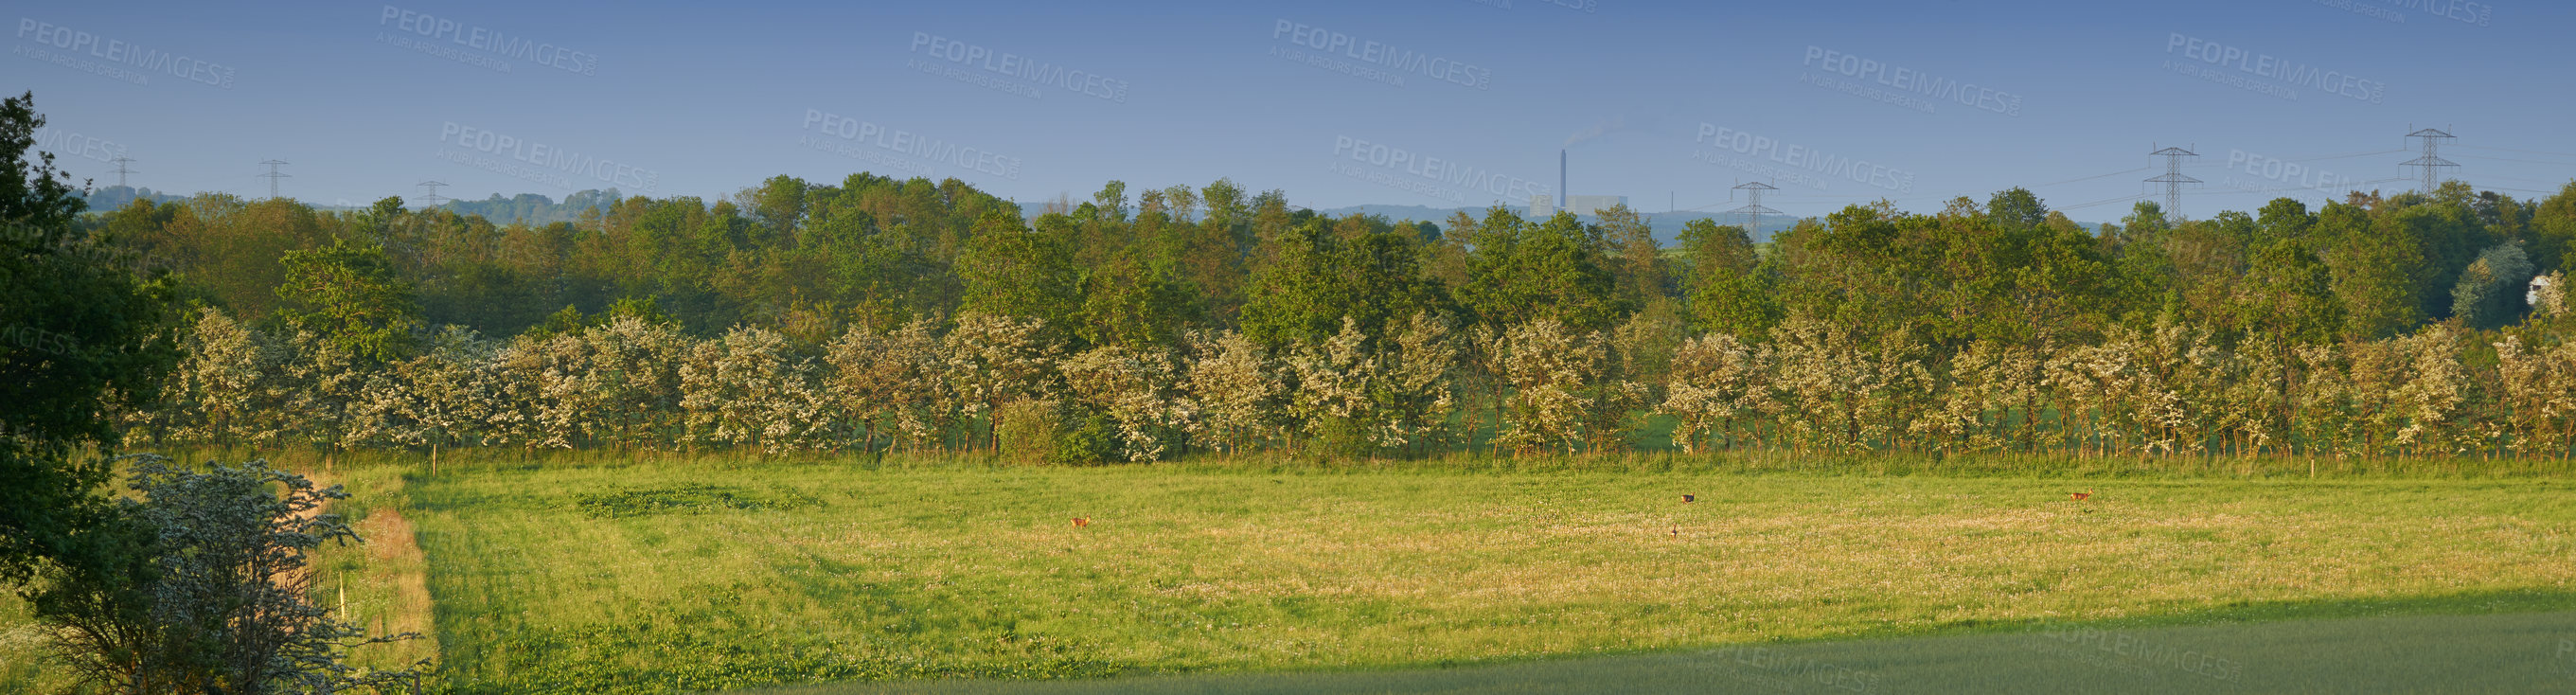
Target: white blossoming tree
1237, 388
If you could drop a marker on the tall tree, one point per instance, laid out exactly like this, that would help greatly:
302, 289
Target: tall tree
2553, 230
1729, 293
1128, 303
2375, 277
1316, 276
349, 294
2016, 209
1637, 261
1010, 271
80, 337
1520, 272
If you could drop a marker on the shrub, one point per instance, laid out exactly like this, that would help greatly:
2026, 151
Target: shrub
199, 586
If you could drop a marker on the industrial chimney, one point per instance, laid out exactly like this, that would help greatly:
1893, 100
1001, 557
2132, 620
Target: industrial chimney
1560, 179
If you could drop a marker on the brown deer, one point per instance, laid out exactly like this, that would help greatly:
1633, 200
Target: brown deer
1079, 522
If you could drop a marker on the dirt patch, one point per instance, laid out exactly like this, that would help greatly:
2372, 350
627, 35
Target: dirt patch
389, 595
390, 541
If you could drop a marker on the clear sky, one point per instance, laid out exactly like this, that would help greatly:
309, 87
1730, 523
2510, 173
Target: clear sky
1432, 102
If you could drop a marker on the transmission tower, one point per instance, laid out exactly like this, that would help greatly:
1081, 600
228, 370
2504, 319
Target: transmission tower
2432, 160
273, 175
2173, 179
121, 170
1753, 210
433, 196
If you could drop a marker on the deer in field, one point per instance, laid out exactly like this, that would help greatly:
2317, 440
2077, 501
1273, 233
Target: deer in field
1079, 522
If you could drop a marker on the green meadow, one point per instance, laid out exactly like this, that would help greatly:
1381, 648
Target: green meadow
594, 574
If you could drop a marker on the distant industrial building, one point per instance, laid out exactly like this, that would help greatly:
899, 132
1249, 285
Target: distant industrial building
1541, 207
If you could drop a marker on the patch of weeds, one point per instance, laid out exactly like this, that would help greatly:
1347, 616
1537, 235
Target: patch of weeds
671, 499
648, 656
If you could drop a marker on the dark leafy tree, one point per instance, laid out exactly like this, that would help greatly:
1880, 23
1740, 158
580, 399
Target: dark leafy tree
80, 337
349, 294
209, 593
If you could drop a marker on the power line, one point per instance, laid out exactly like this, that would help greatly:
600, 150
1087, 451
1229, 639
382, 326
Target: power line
2320, 189
2508, 159
2489, 177
273, 175
1753, 210
433, 196
2089, 178
2347, 155
2509, 149
2432, 159
121, 170
2173, 178
2525, 190
2125, 198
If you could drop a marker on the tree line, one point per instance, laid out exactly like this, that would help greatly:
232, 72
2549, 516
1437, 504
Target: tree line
879, 314
198, 581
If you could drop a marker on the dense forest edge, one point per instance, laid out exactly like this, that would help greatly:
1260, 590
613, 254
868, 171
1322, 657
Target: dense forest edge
879, 314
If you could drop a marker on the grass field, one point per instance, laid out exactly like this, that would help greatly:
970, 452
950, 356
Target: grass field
592, 575
2491, 653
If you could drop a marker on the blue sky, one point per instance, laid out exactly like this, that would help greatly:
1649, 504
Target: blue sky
1437, 103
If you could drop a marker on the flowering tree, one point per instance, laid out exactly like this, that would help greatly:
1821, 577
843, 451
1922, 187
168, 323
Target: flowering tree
327, 393
749, 389
1331, 400
2431, 394
2538, 388
885, 384
1138, 389
633, 377
992, 361
1717, 384
212, 592
1987, 383
444, 394
226, 389
1417, 390
1237, 389
1557, 377
541, 394
1830, 385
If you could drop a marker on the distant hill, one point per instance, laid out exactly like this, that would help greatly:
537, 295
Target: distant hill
1667, 225
539, 209
534, 209
113, 197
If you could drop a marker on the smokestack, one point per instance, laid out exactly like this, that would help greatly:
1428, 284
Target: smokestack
1560, 179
